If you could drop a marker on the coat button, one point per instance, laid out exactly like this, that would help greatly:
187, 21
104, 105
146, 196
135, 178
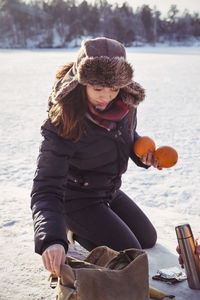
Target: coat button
119, 132
86, 184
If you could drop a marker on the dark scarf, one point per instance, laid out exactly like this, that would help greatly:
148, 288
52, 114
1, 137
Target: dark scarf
108, 118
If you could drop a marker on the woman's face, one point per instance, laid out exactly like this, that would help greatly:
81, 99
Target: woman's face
100, 96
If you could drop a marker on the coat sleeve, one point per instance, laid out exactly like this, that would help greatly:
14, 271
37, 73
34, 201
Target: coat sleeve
49, 188
136, 136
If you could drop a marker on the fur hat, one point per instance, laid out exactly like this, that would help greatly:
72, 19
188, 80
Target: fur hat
102, 62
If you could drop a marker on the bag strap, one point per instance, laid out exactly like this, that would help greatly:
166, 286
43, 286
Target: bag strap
130, 120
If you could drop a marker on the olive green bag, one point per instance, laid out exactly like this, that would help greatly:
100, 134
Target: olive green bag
105, 275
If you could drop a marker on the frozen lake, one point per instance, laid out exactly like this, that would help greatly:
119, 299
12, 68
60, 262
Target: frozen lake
170, 115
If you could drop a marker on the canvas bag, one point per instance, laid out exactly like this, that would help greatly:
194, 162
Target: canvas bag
105, 275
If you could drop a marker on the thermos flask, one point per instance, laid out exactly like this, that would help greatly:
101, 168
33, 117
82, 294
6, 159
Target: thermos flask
190, 259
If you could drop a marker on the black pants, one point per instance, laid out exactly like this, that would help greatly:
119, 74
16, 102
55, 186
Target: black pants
115, 222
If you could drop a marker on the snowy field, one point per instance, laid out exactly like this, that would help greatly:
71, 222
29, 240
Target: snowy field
170, 115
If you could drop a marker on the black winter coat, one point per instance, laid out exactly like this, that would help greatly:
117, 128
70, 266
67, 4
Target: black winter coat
94, 164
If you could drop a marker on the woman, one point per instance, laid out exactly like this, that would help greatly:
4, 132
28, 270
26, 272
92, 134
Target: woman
87, 141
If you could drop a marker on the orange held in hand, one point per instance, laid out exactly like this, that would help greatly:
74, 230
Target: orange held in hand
167, 156
143, 144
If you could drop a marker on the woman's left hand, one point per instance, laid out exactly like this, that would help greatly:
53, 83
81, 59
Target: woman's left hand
149, 160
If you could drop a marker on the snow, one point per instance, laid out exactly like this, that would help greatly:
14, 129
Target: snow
170, 115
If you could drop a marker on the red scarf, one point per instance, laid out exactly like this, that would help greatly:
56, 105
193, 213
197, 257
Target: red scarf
108, 118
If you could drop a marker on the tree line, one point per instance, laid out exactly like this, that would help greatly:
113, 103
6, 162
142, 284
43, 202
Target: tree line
56, 23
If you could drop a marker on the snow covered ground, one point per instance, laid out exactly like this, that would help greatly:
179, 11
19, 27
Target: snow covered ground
170, 115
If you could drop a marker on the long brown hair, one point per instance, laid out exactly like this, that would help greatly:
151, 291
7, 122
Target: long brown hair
69, 113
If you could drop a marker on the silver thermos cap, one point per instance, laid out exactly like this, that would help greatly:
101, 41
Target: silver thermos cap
183, 231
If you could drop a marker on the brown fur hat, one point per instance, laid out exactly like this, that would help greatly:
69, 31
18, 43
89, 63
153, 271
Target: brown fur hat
102, 62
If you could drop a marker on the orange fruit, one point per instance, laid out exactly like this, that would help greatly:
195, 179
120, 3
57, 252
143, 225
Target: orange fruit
167, 156
143, 144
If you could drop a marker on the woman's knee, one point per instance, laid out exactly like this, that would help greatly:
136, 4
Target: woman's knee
150, 240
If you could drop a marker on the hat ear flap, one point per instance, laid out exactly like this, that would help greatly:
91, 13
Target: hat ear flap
65, 83
63, 71
132, 94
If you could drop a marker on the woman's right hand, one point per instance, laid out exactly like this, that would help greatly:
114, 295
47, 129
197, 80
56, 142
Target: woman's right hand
53, 257
180, 258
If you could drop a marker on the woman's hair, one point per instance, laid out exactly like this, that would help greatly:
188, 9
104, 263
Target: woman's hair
69, 113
